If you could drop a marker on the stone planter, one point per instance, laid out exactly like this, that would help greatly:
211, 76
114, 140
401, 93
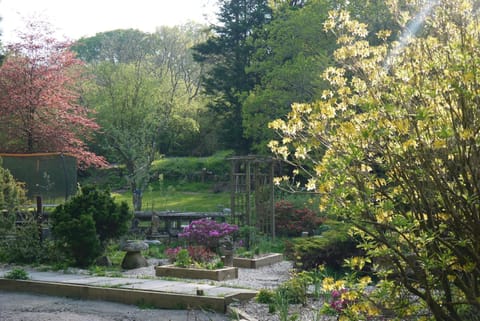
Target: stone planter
255, 263
222, 274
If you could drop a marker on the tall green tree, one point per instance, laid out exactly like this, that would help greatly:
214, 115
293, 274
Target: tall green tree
289, 57
227, 53
401, 130
146, 99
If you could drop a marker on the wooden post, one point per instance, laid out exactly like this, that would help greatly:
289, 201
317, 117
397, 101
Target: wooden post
272, 175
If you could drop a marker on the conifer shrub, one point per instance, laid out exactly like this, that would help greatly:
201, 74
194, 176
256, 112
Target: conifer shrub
83, 225
330, 248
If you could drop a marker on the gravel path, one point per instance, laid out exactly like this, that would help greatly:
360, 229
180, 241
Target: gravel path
30, 307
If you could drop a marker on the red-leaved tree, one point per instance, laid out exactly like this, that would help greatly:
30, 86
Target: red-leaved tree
39, 100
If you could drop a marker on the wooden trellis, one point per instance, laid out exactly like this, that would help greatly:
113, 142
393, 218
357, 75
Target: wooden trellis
252, 192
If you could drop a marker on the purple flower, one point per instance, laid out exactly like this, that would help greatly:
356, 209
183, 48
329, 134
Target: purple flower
207, 232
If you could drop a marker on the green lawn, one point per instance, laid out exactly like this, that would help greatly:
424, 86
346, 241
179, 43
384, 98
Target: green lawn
179, 201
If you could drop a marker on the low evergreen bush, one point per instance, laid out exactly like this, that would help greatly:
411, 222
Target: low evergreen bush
330, 248
83, 225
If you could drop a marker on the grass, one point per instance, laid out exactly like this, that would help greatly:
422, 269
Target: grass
188, 201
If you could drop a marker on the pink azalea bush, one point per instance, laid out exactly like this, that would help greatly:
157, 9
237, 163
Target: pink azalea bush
207, 232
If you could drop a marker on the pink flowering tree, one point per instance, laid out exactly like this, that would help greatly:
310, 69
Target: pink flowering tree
40, 108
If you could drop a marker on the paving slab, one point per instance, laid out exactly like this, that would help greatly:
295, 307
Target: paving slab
108, 282
154, 285
56, 276
161, 293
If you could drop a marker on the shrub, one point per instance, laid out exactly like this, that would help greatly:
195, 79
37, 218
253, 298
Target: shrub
12, 196
171, 253
183, 258
83, 225
12, 193
193, 169
23, 245
292, 222
17, 274
330, 248
265, 296
201, 254
207, 232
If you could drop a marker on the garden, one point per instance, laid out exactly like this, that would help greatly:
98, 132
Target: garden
354, 155
91, 229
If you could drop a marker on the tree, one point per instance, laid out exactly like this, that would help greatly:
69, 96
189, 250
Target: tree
288, 60
227, 53
146, 100
399, 135
39, 108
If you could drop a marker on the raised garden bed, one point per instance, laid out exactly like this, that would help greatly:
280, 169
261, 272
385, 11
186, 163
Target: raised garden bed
257, 262
222, 274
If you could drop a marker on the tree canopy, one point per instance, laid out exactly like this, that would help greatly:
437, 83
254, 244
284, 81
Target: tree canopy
147, 100
393, 147
39, 98
227, 53
290, 54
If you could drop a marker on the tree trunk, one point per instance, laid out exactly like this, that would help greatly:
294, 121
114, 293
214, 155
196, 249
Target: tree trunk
136, 197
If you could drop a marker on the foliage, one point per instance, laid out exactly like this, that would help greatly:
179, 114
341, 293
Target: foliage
39, 109
17, 274
12, 196
21, 242
171, 253
146, 96
182, 258
400, 129
84, 224
330, 248
349, 298
292, 222
179, 169
290, 53
265, 296
199, 256
226, 54
18, 242
295, 289
207, 232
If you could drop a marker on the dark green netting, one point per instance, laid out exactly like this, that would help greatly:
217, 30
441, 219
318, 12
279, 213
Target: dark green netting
51, 176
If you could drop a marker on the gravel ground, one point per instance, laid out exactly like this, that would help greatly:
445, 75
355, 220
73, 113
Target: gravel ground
28, 307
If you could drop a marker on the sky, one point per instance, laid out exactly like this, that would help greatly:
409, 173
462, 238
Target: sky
80, 18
